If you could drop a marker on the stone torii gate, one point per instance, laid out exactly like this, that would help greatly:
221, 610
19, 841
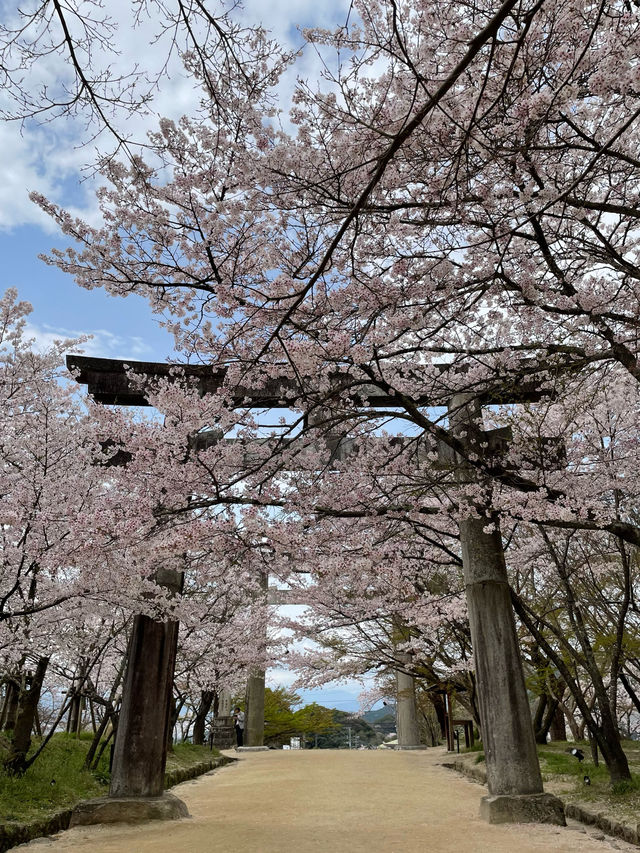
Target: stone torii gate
515, 784
408, 728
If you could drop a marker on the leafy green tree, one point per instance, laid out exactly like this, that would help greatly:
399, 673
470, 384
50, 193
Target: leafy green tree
282, 722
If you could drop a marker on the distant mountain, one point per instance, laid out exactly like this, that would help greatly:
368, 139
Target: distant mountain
379, 713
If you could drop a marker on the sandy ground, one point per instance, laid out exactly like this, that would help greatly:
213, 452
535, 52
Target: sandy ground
330, 801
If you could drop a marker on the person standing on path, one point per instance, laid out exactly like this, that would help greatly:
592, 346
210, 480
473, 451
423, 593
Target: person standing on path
238, 722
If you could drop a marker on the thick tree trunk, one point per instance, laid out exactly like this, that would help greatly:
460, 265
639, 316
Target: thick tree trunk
544, 725
73, 720
11, 700
558, 728
28, 705
607, 738
173, 721
538, 717
438, 705
92, 716
206, 700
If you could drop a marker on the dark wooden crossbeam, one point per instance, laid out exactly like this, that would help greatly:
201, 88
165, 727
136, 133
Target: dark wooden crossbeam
119, 382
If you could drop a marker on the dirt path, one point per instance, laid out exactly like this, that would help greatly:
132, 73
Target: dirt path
330, 801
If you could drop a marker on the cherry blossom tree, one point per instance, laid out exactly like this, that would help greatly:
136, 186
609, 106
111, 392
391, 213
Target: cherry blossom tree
48, 484
329, 252
449, 215
62, 60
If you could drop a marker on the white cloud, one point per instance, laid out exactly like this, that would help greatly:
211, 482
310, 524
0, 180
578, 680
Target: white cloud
280, 677
343, 695
102, 343
49, 158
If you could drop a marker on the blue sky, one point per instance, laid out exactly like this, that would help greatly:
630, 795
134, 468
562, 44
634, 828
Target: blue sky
51, 159
122, 328
341, 698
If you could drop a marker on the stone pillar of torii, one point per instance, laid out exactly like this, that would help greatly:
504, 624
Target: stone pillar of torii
513, 774
407, 726
254, 695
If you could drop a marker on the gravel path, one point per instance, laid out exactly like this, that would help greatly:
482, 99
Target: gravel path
329, 801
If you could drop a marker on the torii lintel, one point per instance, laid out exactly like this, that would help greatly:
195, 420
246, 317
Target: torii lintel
121, 382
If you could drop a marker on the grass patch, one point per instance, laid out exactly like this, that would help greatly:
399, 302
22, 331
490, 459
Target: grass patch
564, 775
554, 762
628, 786
186, 755
58, 780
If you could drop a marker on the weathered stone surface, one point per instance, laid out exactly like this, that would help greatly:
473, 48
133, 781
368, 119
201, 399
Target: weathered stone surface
110, 381
522, 808
507, 732
406, 708
477, 772
587, 816
254, 709
604, 822
409, 746
223, 733
184, 774
255, 692
12, 834
575, 811
252, 748
128, 810
140, 750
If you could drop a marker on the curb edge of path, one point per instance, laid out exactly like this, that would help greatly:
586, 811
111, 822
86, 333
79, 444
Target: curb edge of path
13, 835
601, 820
